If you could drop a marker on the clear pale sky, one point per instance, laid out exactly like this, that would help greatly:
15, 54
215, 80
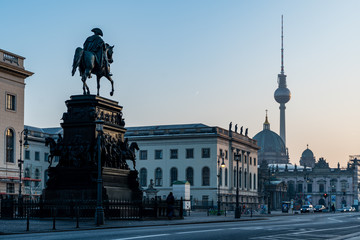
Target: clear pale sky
202, 61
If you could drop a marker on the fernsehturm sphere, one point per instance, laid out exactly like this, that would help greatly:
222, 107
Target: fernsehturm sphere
282, 94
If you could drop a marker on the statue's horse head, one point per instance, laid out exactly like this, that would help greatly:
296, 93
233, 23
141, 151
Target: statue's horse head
109, 52
134, 146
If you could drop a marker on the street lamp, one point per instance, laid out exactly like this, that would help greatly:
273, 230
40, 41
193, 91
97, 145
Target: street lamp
99, 214
269, 193
219, 166
20, 163
237, 157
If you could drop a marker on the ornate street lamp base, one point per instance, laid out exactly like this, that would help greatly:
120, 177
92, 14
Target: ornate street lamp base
99, 216
237, 212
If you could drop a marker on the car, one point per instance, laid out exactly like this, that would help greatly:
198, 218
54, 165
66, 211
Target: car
347, 209
319, 208
307, 208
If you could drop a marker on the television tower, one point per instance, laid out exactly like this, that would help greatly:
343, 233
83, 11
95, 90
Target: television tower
282, 94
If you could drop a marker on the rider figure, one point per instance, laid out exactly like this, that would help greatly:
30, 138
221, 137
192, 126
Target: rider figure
96, 45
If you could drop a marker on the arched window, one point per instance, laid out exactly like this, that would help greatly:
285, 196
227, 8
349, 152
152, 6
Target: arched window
10, 143
226, 177
190, 175
158, 177
27, 175
37, 176
143, 177
173, 175
250, 181
205, 176
255, 187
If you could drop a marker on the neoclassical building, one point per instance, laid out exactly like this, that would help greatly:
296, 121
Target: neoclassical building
308, 185
12, 86
193, 153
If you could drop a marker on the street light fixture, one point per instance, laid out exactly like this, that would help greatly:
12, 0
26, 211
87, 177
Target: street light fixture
99, 214
219, 166
237, 157
20, 163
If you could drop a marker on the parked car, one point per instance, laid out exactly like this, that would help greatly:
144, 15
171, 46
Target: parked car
319, 208
307, 208
347, 209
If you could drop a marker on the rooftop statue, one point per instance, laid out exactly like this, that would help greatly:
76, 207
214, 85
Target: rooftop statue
95, 58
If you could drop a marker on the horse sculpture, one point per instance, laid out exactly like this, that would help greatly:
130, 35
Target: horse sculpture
86, 62
130, 153
55, 149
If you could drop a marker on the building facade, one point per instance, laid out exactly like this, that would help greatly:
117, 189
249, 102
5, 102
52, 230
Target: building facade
36, 160
321, 185
194, 153
12, 86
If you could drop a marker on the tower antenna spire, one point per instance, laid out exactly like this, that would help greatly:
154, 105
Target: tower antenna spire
282, 45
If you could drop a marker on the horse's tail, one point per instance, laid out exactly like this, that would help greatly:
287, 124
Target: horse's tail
77, 58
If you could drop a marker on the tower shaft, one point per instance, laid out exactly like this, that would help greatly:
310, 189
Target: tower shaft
282, 122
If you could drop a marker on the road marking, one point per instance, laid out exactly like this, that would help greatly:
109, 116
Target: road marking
200, 231
146, 236
334, 219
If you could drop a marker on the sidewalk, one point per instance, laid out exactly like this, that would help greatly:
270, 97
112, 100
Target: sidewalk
46, 225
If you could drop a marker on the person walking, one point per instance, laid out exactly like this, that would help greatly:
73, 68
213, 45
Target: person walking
170, 201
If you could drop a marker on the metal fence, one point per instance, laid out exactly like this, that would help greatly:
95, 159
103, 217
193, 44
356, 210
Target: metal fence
113, 209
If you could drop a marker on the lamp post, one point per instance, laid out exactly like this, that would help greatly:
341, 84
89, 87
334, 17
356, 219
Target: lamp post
20, 163
99, 214
237, 157
269, 193
219, 166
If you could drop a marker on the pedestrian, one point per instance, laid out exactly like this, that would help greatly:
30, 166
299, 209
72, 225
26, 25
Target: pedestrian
170, 201
333, 208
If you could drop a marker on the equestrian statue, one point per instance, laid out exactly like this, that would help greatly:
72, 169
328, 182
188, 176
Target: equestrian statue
94, 58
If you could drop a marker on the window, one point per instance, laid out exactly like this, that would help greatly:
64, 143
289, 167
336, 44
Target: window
46, 157
244, 159
205, 176
250, 180
10, 102
27, 175
240, 176
226, 154
37, 156
190, 175
190, 153
254, 179
158, 177
245, 180
254, 161
205, 153
10, 141
158, 154
143, 154
27, 154
250, 160
173, 175
343, 186
220, 177
173, 154
300, 188
333, 185
37, 176
309, 187
226, 177
321, 187
143, 177
10, 188
235, 177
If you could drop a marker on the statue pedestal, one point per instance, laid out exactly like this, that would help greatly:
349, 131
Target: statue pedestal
75, 177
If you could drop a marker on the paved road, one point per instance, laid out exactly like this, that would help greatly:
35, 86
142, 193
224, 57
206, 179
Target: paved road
306, 226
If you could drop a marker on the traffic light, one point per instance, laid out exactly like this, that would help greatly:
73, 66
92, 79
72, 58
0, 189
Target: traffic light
325, 195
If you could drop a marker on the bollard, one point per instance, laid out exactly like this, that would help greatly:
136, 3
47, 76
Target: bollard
27, 220
54, 210
77, 217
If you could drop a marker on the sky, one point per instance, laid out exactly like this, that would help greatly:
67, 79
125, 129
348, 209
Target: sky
201, 61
